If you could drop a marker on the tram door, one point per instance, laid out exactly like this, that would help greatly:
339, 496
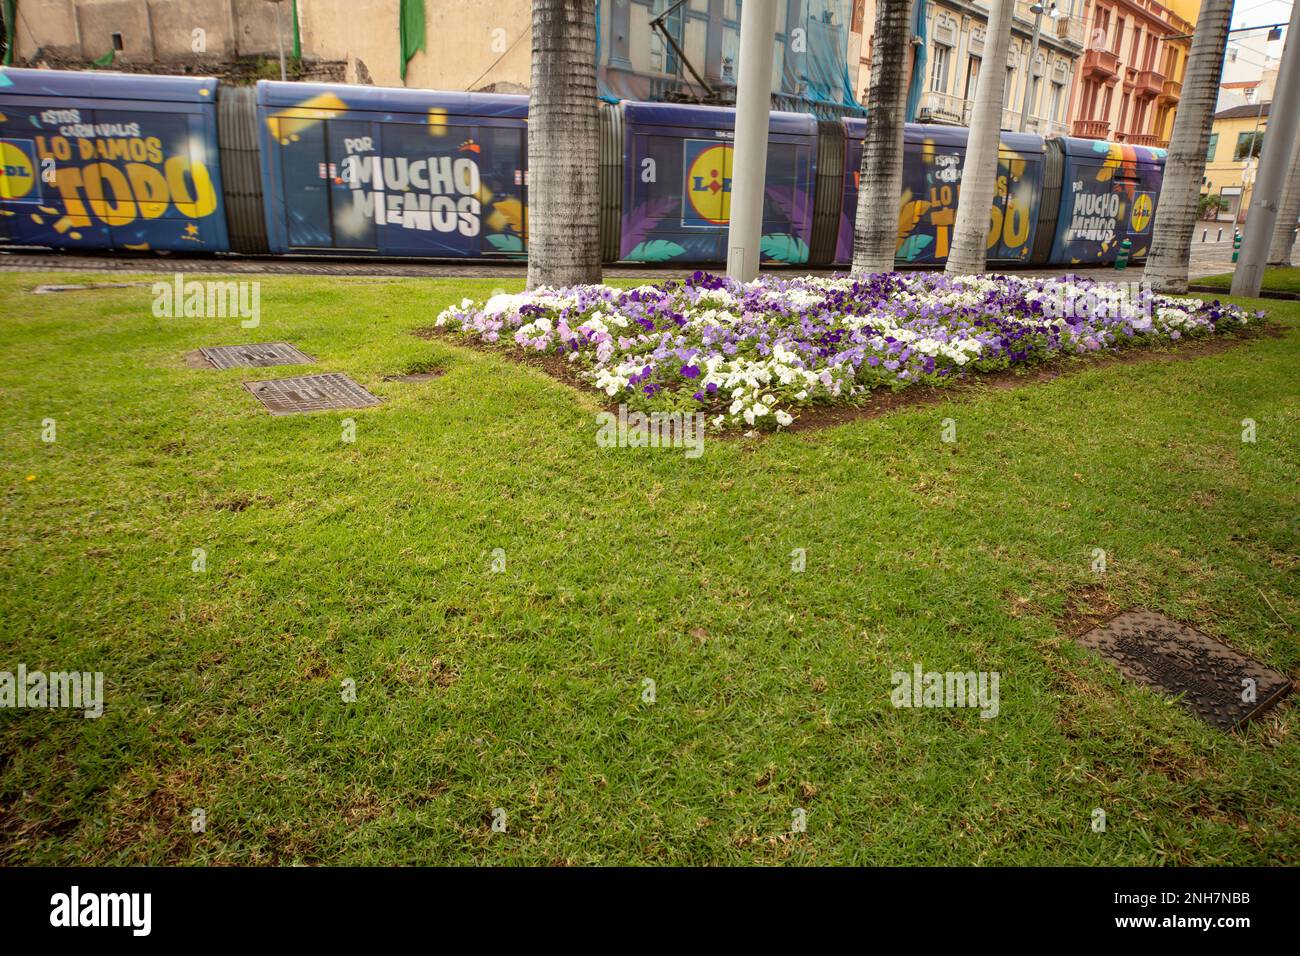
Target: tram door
325, 208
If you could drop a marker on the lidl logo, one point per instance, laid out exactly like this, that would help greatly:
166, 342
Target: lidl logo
17, 169
708, 184
1142, 209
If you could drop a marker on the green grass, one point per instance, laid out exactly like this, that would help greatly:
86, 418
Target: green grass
1275, 280
523, 689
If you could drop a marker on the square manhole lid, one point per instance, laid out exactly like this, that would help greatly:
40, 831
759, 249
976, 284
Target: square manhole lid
1220, 685
257, 355
311, 393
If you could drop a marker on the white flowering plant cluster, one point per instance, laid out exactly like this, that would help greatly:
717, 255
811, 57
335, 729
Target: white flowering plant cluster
754, 354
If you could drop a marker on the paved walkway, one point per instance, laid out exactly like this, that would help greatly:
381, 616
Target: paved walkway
1208, 258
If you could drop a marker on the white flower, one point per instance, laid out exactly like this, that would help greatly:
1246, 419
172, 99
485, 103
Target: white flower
503, 302
782, 418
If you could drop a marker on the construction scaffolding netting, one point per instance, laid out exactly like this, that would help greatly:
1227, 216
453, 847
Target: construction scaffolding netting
688, 50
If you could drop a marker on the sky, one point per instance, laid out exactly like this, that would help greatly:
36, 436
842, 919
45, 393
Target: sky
1255, 13
1250, 13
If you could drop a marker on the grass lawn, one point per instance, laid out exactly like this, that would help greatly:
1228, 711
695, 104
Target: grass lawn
525, 689
1275, 280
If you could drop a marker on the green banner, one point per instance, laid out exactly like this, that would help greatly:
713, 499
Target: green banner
11, 17
411, 24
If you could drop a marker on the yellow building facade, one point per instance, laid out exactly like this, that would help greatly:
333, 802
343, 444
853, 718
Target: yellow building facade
1233, 157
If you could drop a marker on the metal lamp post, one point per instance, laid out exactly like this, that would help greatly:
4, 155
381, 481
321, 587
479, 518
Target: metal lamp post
1283, 121
279, 39
749, 153
1037, 10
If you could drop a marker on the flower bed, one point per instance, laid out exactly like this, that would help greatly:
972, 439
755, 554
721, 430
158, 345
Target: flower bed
755, 353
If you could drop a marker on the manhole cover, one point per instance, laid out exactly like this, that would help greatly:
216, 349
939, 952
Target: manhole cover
311, 393
257, 355
1219, 685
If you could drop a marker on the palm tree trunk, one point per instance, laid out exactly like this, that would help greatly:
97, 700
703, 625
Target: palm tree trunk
1279, 248
880, 180
1171, 233
979, 174
563, 143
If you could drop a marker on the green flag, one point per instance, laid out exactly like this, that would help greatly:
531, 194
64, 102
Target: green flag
11, 14
105, 60
411, 24
297, 38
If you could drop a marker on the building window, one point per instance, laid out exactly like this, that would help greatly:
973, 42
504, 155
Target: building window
1101, 29
1119, 36
662, 56
1214, 142
1009, 91
972, 76
1248, 145
939, 69
117, 42
1054, 104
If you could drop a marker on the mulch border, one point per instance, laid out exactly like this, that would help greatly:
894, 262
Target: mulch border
882, 401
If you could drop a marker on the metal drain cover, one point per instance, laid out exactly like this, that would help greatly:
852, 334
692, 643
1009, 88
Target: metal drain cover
311, 393
1219, 685
257, 355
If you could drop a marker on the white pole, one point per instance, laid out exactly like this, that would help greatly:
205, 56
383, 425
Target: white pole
1029, 72
1283, 118
749, 155
279, 39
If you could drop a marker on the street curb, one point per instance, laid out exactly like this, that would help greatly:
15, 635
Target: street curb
1263, 293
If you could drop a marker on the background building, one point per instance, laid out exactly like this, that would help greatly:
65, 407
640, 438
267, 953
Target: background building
953, 50
688, 50
1232, 159
1134, 62
684, 50
150, 35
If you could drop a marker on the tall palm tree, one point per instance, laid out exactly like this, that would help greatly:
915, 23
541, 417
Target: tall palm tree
563, 142
880, 180
979, 174
1279, 248
1171, 233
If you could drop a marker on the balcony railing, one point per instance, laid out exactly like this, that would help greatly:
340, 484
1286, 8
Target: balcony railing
1071, 29
1062, 27
1091, 129
943, 109
1100, 64
1149, 83
1171, 91
1142, 139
